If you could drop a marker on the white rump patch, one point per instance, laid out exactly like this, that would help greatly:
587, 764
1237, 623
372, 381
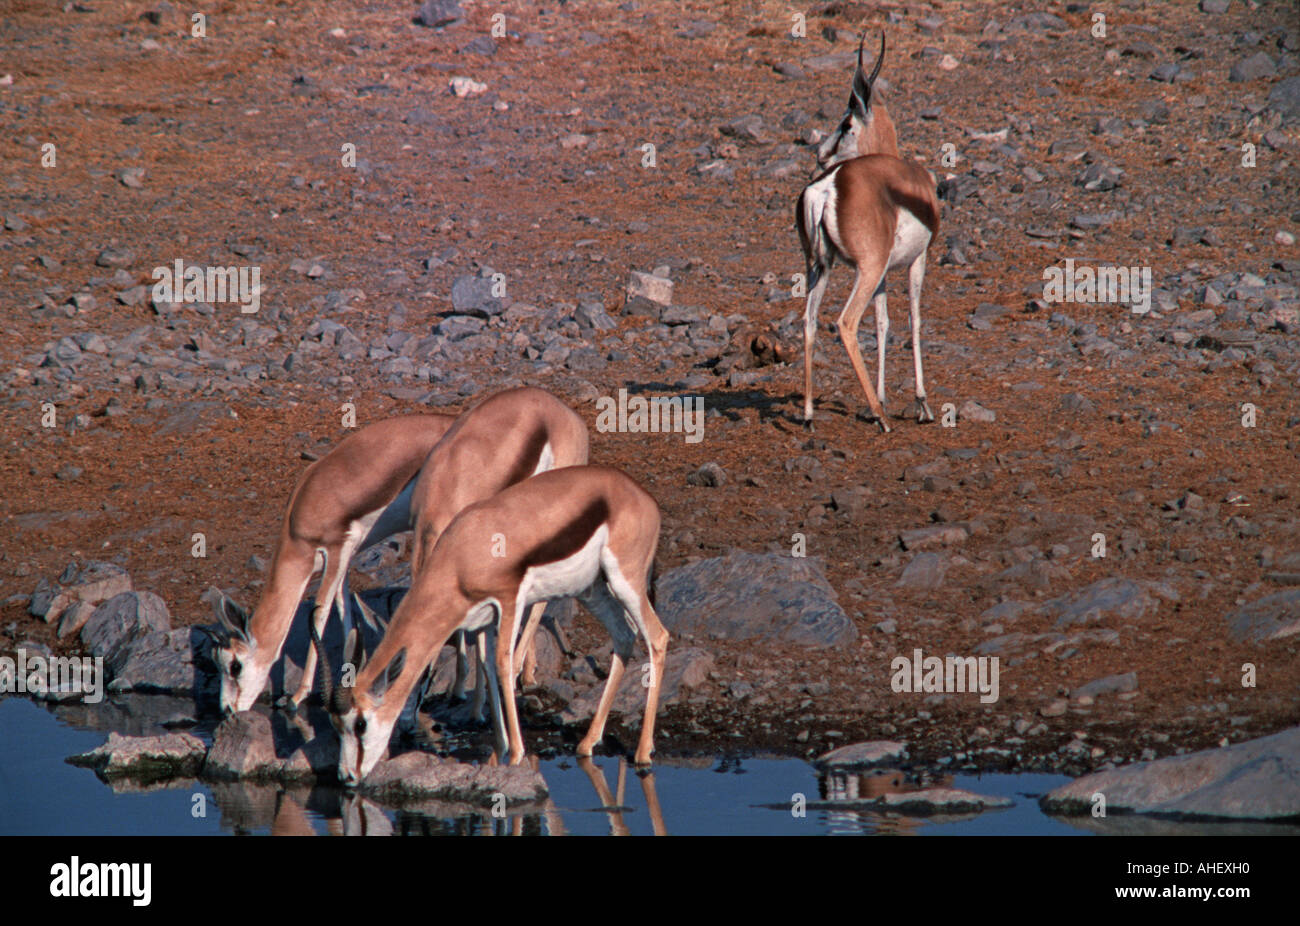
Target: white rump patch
819, 210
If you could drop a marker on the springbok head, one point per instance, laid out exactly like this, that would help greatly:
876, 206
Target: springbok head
866, 127
234, 650
358, 712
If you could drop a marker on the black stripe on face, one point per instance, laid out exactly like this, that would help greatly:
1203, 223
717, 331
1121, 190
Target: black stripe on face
570, 538
528, 460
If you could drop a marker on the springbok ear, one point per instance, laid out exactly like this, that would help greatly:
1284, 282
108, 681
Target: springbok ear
384, 680
217, 638
233, 619
353, 652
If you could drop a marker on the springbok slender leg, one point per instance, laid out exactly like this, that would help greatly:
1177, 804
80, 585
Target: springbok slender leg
848, 326
609, 611
510, 619
656, 639
488, 674
915, 277
882, 339
810, 334
528, 675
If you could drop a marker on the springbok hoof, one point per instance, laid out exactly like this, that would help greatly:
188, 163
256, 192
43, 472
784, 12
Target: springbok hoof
286, 703
923, 413
868, 415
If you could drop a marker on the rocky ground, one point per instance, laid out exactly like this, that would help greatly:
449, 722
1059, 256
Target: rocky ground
504, 223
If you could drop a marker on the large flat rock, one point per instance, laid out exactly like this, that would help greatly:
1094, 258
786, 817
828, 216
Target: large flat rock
419, 775
1105, 600
1273, 617
754, 596
1255, 780
145, 757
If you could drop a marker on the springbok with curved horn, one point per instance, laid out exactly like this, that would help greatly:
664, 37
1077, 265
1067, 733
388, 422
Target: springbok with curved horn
588, 532
875, 211
352, 498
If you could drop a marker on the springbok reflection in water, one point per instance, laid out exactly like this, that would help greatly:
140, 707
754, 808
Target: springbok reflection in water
352, 814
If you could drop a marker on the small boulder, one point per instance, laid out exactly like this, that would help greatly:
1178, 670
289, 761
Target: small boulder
176, 755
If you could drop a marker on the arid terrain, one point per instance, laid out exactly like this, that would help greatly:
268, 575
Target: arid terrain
1174, 433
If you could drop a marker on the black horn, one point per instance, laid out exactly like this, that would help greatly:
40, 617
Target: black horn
324, 671
862, 85
879, 58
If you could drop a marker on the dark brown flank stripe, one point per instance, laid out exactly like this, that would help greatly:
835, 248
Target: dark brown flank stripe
902, 194
919, 206
527, 462
572, 538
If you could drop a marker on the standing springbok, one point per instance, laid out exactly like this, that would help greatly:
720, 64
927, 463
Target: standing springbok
584, 531
876, 211
352, 498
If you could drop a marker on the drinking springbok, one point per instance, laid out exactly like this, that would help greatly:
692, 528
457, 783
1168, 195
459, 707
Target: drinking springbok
352, 498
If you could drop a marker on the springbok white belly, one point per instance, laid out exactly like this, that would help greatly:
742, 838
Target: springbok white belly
569, 576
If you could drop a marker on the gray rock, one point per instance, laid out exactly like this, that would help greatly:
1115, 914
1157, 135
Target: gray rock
93, 583
472, 295
245, 747
591, 316
438, 13
117, 623
456, 327
937, 535
1253, 68
482, 45
973, 411
1273, 617
1166, 72
1284, 98
1255, 780
75, 618
170, 663
924, 571
647, 294
176, 755
754, 596
1114, 598
862, 755
710, 475
1111, 684
419, 775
